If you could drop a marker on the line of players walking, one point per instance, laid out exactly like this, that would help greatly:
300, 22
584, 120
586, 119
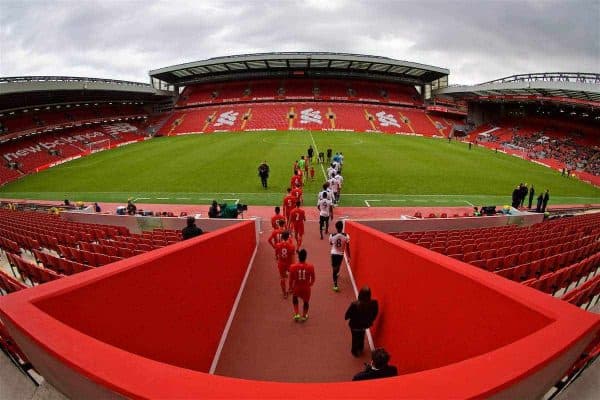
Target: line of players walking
297, 278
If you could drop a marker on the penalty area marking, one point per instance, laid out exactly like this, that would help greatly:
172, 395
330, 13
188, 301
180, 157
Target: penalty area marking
236, 200
217, 356
367, 202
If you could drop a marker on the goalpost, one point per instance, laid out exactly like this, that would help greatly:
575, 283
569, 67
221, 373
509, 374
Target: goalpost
99, 145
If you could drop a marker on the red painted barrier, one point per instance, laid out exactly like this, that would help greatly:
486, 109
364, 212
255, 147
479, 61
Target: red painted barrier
503, 339
437, 311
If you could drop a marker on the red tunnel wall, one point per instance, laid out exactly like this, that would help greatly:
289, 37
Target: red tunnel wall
430, 315
171, 308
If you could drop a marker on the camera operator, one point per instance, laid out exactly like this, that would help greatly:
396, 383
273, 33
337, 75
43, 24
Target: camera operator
213, 211
378, 368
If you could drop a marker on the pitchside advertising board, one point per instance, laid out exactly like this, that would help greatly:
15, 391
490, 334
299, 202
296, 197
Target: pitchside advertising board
105, 132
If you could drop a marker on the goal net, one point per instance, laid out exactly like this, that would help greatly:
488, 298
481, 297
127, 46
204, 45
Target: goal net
98, 145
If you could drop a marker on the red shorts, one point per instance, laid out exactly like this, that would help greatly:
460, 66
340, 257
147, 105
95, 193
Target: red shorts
283, 269
302, 292
298, 228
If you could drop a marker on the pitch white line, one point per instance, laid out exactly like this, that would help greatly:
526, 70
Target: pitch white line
141, 198
469, 203
367, 202
236, 200
215, 361
162, 198
317, 151
369, 337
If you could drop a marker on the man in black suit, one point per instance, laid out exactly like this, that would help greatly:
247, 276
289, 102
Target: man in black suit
524, 192
378, 368
516, 197
531, 193
545, 200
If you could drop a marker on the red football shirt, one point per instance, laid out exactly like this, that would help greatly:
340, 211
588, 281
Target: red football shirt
276, 218
284, 251
275, 237
289, 202
297, 193
302, 275
297, 216
296, 181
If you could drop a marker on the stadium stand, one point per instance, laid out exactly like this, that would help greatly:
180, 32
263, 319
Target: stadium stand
549, 256
354, 117
299, 89
72, 247
33, 153
52, 117
559, 257
559, 143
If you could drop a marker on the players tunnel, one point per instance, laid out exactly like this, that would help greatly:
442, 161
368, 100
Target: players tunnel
149, 326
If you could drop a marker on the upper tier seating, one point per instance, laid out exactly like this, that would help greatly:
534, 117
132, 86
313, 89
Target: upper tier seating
61, 115
299, 89
37, 151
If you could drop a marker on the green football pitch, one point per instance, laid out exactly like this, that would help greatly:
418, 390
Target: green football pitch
379, 170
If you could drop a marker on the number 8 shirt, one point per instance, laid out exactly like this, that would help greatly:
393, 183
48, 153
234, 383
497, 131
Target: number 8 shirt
338, 242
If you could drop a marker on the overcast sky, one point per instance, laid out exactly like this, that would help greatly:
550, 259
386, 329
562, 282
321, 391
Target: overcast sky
477, 40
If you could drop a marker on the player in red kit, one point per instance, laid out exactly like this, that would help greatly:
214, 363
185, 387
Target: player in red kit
302, 277
284, 252
275, 236
296, 179
288, 204
312, 173
297, 218
276, 218
297, 193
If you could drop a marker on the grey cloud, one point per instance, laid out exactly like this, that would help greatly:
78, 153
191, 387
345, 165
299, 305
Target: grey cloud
477, 41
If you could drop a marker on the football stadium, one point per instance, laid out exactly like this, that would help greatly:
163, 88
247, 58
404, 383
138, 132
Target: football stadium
473, 213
